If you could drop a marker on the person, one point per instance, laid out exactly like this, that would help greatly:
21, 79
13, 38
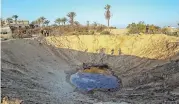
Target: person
147, 29
112, 51
102, 51
119, 51
102, 54
86, 50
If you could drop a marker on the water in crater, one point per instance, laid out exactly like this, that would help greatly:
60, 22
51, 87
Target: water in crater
95, 78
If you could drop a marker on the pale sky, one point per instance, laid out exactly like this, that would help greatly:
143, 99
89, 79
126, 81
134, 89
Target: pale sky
158, 12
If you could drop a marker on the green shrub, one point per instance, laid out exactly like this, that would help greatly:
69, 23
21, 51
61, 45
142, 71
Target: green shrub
92, 32
105, 33
173, 34
141, 27
136, 28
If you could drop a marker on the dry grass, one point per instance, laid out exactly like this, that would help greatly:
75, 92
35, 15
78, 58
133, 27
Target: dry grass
157, 46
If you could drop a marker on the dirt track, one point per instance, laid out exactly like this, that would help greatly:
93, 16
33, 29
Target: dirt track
37, 73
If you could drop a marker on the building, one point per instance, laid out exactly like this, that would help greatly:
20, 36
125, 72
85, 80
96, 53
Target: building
19, 23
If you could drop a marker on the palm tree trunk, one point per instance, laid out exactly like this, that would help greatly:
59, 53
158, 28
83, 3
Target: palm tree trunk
72, 21
16, 21
108, 22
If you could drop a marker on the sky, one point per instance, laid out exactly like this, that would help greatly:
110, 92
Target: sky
158, 12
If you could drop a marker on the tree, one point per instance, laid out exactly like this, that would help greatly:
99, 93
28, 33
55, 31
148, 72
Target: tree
54, 25
64, 20
38, 21
46, 22
58, 21
34, 22
71, 15
136, 28
9, 20
41, 20
87, 23
94, 25
76, 23
15, 18
107, 13
141, 27
165, 30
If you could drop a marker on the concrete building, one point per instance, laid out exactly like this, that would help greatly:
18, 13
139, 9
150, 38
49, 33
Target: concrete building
19, 23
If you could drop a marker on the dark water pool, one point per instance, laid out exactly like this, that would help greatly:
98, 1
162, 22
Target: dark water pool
90, 81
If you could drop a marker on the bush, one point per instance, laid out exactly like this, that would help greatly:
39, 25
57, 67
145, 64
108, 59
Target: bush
137, 28
169, 31
105, 33
141, 27
92, 32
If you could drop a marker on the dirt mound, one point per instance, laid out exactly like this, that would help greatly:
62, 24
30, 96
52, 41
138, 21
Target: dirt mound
38, 73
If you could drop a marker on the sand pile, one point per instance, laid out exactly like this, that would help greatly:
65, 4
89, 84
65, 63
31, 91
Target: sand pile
156, 46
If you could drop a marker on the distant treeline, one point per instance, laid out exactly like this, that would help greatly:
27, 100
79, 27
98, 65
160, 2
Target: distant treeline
141, 27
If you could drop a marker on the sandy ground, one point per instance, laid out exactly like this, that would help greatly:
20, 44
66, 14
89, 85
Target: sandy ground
153, 46
39, 74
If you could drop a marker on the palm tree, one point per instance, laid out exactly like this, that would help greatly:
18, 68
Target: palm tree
71, 15
15, 18
9, 20
64, 20
58, 21
87, 23
47, 22
107, 13
41, 20
95, 24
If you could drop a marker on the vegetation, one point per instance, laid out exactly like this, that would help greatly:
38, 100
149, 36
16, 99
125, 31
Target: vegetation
87, 23
141, 27
137, 28
71, 16
76, 23
46, 22
107, 13
105, 33
15, 18
9, 20
64, 20
41, 20
58, 21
